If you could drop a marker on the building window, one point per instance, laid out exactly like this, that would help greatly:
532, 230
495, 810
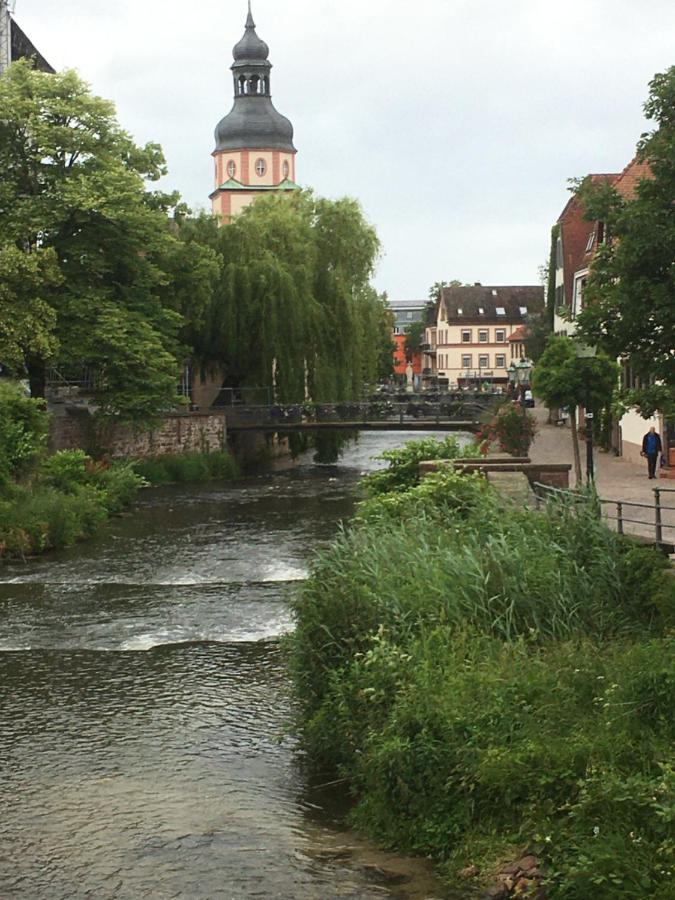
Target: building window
260, 167
500, 310
500, 335
559, 297
231, 168
466, 337
578, 301
286, 169
481, 311
590, 242
409, 316
467, 362
558, 254
500, 361
460, 312
482, 336
523, 310
483, 361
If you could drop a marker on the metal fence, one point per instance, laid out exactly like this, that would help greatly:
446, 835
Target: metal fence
621, 512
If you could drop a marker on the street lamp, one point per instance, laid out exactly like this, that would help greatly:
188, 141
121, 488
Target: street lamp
583, 351
524, 368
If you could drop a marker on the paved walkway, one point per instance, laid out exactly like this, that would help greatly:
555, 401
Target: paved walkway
615, 478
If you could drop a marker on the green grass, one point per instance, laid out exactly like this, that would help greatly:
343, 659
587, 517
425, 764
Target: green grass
487, 677
188, 468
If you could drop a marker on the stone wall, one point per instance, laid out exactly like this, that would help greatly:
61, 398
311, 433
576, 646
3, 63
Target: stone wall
179, 433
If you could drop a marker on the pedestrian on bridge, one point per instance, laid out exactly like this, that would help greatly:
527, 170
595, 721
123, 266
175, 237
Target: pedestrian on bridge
651, 449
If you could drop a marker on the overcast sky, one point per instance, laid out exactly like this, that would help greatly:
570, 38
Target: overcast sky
456, 123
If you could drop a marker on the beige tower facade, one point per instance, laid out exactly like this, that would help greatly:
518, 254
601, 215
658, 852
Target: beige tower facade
254, 151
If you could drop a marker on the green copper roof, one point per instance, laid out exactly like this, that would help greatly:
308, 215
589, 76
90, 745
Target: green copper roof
233, 185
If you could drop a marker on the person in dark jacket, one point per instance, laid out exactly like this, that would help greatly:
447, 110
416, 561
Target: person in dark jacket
651, 448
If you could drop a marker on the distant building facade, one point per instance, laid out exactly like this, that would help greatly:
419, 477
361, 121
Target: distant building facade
467, 343
254, 151
15, 44
406, 313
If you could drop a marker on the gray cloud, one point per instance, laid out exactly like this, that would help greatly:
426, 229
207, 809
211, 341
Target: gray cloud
456, 123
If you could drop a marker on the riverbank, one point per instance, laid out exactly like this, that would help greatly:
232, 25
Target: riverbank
493, 681
68, 496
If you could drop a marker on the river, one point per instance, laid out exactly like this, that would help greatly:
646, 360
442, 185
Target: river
144, 703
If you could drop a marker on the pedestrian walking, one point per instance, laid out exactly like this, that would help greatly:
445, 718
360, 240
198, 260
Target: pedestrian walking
651, 449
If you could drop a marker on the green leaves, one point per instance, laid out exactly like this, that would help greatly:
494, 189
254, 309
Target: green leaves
629, 292
92, 276
292, 304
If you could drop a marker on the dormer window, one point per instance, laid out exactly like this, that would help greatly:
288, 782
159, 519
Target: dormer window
500, 310
481, 311
460, 312
523, 310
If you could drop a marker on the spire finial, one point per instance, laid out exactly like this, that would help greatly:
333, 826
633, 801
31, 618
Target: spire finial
249, 18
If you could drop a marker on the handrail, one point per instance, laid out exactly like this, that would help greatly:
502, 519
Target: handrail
658, 524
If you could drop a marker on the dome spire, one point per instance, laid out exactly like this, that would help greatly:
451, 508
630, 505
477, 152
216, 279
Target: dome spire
249, 18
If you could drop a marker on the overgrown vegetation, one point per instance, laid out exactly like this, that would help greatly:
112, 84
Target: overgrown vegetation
188, 468
52, 501
512, 429
487, 678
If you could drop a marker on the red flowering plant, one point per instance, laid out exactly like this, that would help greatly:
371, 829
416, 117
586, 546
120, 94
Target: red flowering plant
512, 429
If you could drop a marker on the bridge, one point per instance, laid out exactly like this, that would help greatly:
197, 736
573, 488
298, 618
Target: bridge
464, 412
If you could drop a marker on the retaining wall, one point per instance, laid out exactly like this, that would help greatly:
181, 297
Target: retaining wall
178, 433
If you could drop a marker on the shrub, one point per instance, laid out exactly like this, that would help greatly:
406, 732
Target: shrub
65, 470
120, 483
23, 431
512, 429
403, 469
187, 468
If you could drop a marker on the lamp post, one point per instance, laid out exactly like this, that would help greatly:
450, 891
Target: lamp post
583, 351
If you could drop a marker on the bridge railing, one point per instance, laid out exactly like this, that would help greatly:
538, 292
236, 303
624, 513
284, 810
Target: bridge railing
465, 409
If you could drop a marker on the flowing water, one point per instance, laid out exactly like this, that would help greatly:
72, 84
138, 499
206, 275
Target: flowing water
144, 704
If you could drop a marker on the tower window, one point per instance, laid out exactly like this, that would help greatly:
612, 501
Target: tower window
286, 169
231, 168
260, 167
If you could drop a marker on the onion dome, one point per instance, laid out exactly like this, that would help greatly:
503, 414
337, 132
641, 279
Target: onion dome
253, 122
250, 47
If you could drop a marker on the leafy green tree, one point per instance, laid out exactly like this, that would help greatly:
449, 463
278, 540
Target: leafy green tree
562, 379
436, 289
27, 320
292, 304
414, 334
629, 308
96, 244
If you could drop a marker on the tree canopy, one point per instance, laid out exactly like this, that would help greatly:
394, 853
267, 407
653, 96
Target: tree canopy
88, 249
629, 308
293, 306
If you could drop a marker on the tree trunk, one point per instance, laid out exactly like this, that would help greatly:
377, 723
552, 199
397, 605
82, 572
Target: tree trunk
37, 377
575, 446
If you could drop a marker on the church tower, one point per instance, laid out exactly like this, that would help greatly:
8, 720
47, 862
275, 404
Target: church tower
254, 143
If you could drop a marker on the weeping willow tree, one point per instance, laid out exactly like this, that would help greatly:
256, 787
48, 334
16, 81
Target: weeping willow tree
292, 306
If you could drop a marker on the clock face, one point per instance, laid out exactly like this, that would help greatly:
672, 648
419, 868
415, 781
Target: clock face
260, 167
